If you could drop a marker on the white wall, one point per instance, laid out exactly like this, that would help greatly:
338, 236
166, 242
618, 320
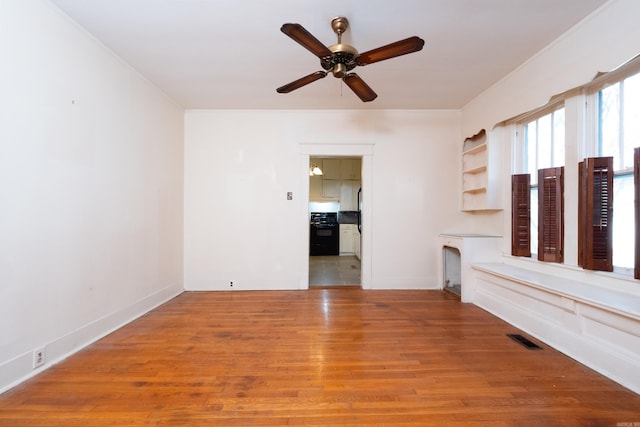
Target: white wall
90, 189
601, 42
240, 164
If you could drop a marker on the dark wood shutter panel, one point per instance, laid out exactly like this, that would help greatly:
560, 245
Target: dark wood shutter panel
582, 212
520, 215
598, 253
636, 193
551, 214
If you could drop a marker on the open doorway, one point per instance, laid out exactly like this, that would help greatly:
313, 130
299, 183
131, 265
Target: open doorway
335, 207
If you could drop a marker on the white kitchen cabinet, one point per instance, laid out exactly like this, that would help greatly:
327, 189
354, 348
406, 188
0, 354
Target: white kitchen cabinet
349, 195
324, 189
315, 187
356, 242
331, 169
347, 239
331, 188
351, 169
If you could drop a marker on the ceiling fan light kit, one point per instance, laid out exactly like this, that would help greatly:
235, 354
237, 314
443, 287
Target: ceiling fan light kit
339, 59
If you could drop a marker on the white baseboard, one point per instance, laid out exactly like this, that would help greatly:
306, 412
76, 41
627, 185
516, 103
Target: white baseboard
603, 339
20, 369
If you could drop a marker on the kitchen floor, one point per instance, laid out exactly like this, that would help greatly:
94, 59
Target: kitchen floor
334, 271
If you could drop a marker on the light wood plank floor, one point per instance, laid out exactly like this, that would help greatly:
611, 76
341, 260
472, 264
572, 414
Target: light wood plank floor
318, 357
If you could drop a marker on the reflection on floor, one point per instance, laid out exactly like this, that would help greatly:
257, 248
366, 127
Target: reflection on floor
334, 271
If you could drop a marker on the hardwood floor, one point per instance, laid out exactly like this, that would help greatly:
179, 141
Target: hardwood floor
318, 357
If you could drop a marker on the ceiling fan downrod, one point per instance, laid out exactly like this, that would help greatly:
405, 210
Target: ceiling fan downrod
339, 24
343, 54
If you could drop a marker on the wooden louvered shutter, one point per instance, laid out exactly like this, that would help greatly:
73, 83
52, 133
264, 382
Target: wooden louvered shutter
582, 212
551, 214
520, 215
598, 210
636, 193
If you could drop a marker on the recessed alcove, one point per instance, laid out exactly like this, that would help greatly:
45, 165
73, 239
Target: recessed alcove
452, 276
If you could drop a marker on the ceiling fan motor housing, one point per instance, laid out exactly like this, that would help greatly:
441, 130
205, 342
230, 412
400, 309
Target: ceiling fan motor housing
342, 60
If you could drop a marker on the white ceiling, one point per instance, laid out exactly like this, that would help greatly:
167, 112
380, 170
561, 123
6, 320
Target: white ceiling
230, 54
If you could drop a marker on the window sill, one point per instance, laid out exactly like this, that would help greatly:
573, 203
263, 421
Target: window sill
572, 291
616, 280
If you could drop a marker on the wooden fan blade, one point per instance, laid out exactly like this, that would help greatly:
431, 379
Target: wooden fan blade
297, 84
298, 33
359, 87
402, 47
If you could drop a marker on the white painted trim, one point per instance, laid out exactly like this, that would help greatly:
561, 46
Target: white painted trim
596, 326
364, 150
19, 369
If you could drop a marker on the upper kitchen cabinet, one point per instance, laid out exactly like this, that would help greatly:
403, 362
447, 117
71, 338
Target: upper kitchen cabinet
315, 187
331, 169
324, 189
351, 169
339, 181
349, 195
480, 174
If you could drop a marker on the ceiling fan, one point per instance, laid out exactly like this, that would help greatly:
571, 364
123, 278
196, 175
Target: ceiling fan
340, 59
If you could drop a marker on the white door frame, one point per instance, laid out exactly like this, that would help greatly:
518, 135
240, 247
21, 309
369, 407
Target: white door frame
364, 150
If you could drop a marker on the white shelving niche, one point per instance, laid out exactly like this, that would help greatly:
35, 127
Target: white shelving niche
480, 165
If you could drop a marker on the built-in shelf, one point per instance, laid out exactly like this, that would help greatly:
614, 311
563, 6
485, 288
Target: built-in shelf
479, 167
475, 190
476, 149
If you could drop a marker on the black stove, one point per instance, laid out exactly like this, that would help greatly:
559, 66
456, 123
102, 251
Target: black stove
324, 234
324, 217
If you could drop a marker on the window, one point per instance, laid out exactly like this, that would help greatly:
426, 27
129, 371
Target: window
618, 134
606, 188
543, 148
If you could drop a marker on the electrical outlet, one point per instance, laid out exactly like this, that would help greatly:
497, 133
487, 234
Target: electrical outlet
38, 357
231, 284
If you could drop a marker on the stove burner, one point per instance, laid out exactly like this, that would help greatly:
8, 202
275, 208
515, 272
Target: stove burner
324, 218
